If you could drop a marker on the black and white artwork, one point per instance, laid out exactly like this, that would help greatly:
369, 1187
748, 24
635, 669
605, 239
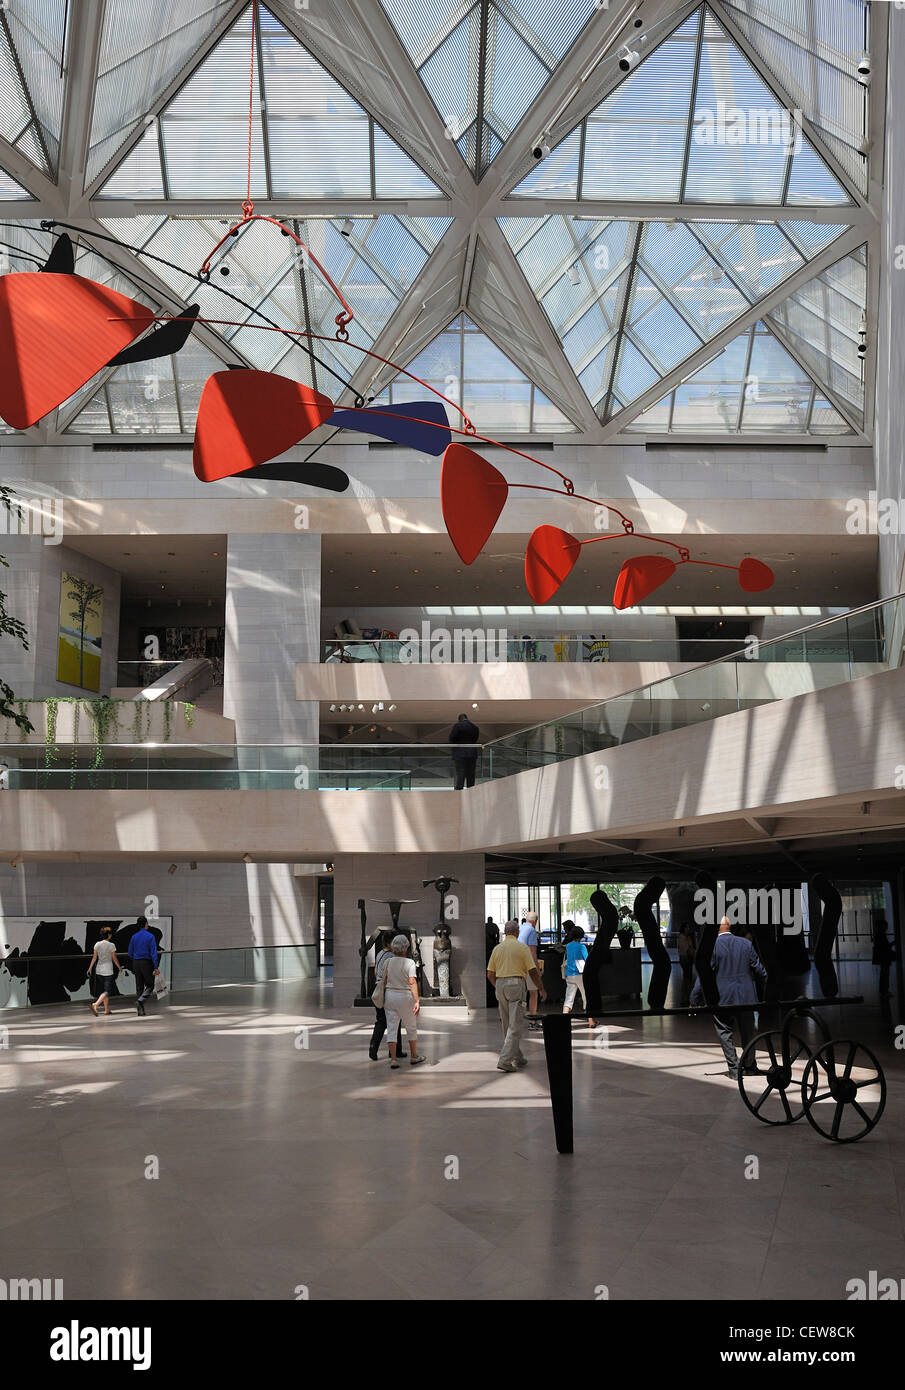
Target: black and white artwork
44, 960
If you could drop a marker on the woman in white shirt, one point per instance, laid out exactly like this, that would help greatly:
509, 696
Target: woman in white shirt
400, 1000
103, 962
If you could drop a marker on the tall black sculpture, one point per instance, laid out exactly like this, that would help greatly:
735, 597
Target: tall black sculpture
831, 911
599, 954
367, 942
649, 923
706, 944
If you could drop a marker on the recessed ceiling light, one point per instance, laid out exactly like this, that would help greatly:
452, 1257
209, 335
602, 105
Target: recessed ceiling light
171, 552
373, 571
416, 571
215, 552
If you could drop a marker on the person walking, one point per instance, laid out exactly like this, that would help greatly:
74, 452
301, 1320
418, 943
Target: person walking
400, 1000
527, 935
103, 962
145, 960
686, 948
464, 735
510, 964
736, 965
384, 954
883, 955
576, 955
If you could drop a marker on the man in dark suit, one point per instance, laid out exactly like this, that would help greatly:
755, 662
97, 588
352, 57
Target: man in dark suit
464, 735
735, 964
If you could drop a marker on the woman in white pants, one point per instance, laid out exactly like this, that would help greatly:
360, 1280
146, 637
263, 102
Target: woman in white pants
576, 955
400, 1000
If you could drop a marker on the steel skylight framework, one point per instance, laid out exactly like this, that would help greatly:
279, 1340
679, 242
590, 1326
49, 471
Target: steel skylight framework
142, 136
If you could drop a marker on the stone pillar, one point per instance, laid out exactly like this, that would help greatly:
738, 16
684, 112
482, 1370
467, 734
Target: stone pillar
273, 585
378, 876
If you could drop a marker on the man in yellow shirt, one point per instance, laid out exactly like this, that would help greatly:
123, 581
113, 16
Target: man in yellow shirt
510, 964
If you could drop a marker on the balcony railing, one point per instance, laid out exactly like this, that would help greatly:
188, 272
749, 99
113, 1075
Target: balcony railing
473, 648
757, 675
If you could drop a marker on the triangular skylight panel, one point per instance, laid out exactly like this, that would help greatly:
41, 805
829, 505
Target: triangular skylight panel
484, 61
811, 47
694, 122
143, 49
467, 367
150, 398
754, 386
822, 321
310, 139
10, 191
634, 299
32, 78
374, 262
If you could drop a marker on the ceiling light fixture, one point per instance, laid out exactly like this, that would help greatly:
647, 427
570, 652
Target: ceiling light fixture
574, 275
247, 859
347, 227
171, 869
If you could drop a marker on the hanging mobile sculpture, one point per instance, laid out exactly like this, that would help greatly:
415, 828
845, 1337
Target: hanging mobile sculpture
58, 329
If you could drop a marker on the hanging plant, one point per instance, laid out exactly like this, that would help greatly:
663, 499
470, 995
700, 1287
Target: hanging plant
105, 717
51, 751
141, 720
74, 764
189, 714
167, 720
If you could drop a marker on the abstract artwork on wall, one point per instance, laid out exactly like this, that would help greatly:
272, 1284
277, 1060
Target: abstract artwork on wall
46, 962
79, 638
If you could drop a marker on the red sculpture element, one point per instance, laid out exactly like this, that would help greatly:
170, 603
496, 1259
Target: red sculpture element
248, 417
549, 560
472, 495
754, 575
56, 331
639, 577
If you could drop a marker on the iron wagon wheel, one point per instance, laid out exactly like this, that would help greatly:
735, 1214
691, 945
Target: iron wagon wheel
772, 1092
843, 1091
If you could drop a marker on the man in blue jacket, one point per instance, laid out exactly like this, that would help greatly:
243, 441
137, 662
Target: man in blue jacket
735, 964
145, 960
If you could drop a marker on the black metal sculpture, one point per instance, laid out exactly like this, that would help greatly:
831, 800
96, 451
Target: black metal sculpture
831, 911
643, 911
599, 954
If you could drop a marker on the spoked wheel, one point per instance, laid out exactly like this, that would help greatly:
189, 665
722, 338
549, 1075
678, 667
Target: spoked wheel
843, 1091
773, 1093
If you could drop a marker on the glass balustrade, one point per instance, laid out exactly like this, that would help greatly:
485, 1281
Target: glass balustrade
825, 654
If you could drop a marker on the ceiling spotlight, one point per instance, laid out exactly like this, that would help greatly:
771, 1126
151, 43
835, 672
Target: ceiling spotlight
864, 68
361, 707
347, 227
706, 705
542, 147
171, 869
329, 867
628, 58
332, 709
16, 862
474, 705
247, 859
574, 275
193, 864
392, 707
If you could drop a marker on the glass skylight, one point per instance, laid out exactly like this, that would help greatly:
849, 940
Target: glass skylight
754, 386
374, 266
310, 138
484, 61
32, 78
159, 397
811, 48
693, 123
463, 364
143, 49
633, 299
821, 322
10, 191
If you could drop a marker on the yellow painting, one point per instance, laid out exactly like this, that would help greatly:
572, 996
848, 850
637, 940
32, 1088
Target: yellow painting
81, 626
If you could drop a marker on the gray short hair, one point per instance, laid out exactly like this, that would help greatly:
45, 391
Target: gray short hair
399, 945
511, 928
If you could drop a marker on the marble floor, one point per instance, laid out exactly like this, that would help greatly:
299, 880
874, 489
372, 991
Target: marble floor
239, 1144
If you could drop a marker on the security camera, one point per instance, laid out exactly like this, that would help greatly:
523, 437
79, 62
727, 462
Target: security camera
864, 67
542, 148
628, 58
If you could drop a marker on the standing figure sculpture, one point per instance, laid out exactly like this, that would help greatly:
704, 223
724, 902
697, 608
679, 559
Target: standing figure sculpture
442, 953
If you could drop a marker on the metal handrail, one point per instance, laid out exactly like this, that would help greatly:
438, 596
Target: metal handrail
705, 665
